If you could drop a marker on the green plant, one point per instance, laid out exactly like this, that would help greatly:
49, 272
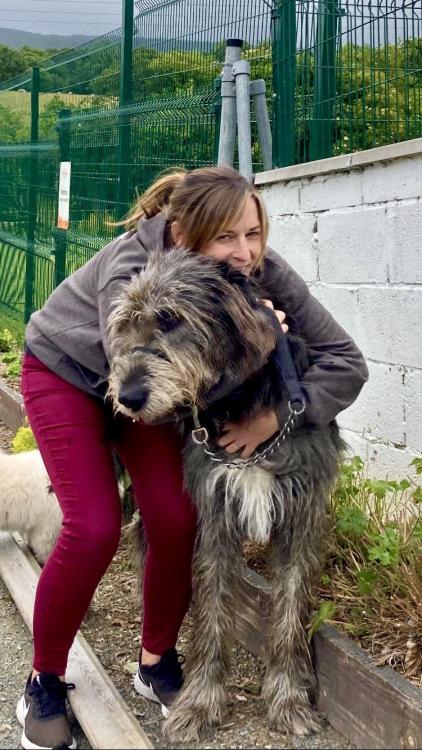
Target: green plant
23, 441
13, 369
12, 360
6, 340
373, 571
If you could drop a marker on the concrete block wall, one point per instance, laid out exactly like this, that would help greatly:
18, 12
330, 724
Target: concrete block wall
352, 227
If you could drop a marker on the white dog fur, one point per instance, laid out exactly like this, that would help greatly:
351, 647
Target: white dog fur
27, 502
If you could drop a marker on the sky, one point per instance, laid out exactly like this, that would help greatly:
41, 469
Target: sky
90, 17
96, 17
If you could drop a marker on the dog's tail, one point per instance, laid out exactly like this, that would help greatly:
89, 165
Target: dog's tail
134, 535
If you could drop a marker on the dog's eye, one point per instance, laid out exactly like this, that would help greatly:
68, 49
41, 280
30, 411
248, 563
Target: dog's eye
167, 321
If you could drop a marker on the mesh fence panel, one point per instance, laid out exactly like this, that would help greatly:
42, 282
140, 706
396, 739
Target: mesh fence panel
357, 68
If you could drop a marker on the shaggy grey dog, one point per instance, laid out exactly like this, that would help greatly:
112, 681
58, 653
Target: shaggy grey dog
190, 339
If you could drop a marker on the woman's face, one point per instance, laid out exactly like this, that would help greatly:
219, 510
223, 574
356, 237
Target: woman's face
240, 244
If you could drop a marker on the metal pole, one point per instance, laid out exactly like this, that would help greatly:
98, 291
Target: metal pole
257, 92
60, 235
283, 29
32, 195
228, 103
242, 74
126, 86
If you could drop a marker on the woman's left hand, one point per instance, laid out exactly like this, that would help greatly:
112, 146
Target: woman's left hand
280, 315
245, 436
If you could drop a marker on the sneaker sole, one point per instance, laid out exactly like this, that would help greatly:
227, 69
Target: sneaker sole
27, 744
147, 692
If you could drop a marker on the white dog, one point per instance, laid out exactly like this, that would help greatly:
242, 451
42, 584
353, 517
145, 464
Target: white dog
27, 501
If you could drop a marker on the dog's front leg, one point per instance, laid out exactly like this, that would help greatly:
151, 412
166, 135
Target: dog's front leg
215, 576
290, 674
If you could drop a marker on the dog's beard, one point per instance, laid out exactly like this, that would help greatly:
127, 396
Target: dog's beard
170, 386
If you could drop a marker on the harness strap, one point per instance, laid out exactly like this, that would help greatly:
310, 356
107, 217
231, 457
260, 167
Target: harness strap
283, 361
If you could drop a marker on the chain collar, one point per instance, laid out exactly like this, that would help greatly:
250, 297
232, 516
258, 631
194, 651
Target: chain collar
200, 437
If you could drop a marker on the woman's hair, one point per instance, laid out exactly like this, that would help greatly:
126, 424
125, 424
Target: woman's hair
203, 201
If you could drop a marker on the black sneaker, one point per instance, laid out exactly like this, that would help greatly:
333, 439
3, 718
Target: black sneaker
42, 713
161, 682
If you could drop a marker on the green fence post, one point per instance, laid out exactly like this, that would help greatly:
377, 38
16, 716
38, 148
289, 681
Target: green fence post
321, 130
60, 235
126, 90
32, 195
283, 32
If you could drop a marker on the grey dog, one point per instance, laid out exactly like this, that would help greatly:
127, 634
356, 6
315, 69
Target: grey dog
190, 339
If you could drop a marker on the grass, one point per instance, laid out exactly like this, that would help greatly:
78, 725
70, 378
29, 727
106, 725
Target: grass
21, 100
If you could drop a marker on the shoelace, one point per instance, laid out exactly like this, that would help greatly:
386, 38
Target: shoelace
51, 700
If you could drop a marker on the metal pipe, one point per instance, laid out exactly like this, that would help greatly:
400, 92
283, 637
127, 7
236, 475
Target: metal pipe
257, 92
242, 74
227, 139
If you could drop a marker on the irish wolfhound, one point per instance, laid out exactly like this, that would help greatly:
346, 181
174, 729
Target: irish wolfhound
189, 337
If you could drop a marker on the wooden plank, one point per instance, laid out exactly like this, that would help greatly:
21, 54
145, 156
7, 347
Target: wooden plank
373, 706
100, 709
12, 411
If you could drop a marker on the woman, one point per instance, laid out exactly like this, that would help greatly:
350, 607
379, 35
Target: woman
216, 212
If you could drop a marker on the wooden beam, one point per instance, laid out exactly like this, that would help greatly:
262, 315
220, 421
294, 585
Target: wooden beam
373, 706
12, 411
100, 709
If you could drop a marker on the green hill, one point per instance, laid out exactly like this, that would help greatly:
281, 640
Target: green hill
17, 39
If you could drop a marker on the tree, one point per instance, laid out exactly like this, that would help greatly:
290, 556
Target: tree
14, 61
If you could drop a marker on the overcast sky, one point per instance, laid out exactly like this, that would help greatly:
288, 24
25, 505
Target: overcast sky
91, 17
96, 17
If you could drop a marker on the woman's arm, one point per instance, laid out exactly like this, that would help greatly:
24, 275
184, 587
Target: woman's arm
337, 369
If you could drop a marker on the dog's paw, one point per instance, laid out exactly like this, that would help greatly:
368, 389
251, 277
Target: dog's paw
187, 723
295, 717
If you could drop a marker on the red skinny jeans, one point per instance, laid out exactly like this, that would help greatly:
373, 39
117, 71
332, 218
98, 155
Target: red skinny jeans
72, 432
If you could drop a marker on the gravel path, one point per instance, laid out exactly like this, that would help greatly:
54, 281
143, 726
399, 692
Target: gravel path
112, 631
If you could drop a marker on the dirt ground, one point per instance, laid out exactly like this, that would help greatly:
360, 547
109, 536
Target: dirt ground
113, 632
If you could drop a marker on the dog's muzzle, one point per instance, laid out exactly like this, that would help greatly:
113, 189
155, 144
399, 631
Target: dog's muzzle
133, 395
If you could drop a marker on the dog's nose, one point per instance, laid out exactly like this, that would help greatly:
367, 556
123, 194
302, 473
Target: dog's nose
133, 396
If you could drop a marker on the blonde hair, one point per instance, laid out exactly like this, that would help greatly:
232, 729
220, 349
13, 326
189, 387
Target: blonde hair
203, 201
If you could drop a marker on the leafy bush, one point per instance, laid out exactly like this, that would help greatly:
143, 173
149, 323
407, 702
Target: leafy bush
23, 441
10, 354
6, 340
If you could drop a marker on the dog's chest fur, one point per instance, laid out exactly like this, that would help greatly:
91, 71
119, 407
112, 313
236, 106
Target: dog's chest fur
248, 495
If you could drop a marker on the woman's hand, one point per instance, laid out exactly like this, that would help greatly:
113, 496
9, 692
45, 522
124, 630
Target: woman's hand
280, 315
245, 436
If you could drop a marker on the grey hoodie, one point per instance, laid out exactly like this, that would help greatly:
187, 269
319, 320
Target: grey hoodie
69, 334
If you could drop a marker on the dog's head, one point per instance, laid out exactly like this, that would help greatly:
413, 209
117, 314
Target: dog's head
178, 326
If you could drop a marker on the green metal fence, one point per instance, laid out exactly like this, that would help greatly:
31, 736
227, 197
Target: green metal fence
340, 76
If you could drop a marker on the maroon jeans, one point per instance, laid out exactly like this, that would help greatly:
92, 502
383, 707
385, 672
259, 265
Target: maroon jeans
73, 435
